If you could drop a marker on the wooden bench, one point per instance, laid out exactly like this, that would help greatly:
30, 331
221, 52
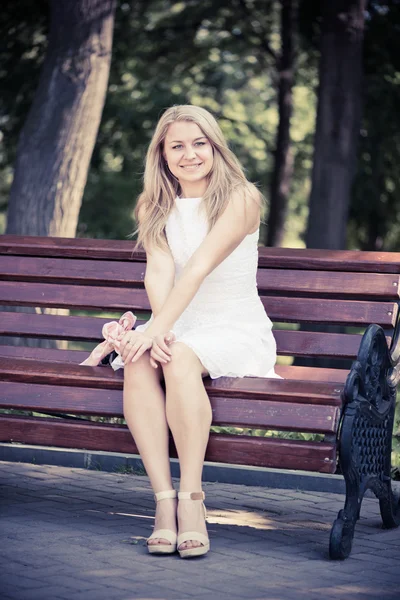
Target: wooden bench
352, 412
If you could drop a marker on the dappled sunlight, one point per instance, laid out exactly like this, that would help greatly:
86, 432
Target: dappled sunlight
256, 520
240, 518
120, 514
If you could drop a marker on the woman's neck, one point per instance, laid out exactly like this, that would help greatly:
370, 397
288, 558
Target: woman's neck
196, 190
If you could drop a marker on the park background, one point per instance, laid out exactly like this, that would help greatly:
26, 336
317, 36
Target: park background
305, 91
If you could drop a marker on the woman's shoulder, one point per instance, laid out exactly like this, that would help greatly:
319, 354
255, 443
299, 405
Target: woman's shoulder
247, 197
140, 209
247, 202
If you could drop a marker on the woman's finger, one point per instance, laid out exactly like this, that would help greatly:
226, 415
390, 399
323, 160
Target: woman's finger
160, 354
153, 363
160, 341
159, 359
132, 349
141, 350
154, 357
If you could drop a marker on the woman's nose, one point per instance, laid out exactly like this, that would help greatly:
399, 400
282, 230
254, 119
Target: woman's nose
190, 153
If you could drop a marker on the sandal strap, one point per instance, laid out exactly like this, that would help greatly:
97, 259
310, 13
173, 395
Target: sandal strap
191, 495
192, 535
164, 495
165, 534
194, 496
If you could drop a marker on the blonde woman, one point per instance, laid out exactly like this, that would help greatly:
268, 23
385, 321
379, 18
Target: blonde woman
198, 220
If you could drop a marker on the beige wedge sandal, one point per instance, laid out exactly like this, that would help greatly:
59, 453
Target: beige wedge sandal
193, 535
165, 534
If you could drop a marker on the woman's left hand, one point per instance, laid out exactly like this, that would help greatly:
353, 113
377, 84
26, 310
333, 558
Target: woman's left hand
160, 351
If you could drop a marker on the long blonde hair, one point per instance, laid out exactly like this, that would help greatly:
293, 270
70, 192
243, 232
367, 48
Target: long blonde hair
161, 187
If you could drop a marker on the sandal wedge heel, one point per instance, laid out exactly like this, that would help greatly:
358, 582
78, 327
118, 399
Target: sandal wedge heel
166, 534
193, 535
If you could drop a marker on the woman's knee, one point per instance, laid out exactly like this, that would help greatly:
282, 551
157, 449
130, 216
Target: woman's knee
140, 373
183, 362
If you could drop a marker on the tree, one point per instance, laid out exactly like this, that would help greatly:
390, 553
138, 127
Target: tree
374, 219
57, 139
283, 155
338, 122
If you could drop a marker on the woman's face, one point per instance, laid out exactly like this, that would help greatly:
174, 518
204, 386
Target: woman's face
189, 155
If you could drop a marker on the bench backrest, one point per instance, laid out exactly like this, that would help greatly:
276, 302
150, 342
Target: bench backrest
347, 288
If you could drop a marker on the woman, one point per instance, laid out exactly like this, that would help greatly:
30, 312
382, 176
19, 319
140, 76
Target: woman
198, 220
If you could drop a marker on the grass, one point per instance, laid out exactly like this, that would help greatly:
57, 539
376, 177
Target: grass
130, 470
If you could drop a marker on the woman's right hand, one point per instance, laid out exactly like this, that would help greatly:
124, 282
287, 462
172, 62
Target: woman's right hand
134, 343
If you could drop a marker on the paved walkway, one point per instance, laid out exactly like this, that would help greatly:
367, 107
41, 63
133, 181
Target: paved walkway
74, 534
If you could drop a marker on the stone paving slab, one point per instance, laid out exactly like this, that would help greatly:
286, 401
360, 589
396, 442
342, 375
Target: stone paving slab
74, 534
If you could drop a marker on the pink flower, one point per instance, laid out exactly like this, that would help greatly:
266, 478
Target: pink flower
113, 334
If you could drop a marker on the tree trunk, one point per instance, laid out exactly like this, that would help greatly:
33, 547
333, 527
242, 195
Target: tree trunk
283, 157
338, 122
337, 131
57, 140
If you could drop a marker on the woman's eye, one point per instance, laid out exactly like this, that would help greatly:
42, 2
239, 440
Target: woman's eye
200, 143
177, 147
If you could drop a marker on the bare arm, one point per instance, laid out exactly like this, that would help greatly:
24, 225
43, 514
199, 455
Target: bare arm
160, 273
159, 278
240, 218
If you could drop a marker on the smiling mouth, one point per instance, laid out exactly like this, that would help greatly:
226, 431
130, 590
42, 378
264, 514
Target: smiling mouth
191, 167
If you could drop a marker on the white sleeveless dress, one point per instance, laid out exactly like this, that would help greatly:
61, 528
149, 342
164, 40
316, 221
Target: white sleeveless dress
225, 324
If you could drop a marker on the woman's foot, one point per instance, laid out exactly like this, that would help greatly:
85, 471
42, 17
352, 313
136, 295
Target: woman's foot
165, 519
191, 517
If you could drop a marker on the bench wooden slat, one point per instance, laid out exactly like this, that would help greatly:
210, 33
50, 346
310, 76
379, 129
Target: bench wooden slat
283, 416
235, 412
75, 271
53, 326
260, 452
311, 343
291, 343
273, 453
333, 312
99, 379
279, 309
77, 356
120, 250
330, 260
73, 296
295, 258
340, 285
105, 273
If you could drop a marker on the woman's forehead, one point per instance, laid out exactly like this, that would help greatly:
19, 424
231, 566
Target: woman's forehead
181, 131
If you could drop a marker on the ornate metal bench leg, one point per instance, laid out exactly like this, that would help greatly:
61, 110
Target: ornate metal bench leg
365, 439
389, 505
342, 533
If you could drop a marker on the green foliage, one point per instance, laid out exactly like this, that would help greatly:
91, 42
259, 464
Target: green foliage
23, 42
217, 54
211, 53
286, 435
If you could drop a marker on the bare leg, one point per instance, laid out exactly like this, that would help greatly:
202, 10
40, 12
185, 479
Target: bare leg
189, 416
144, 412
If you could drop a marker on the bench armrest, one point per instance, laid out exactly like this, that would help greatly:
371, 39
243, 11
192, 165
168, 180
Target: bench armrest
395, 354
371, 375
